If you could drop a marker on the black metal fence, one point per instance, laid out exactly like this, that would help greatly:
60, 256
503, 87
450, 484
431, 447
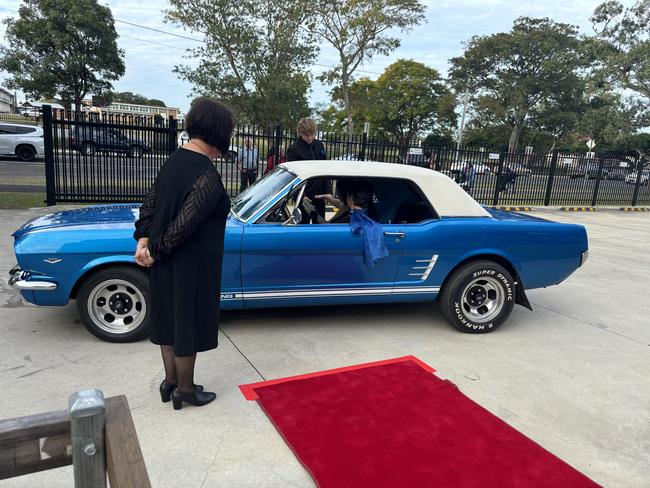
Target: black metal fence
116, 159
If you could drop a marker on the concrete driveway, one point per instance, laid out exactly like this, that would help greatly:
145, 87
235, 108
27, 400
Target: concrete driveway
573, 375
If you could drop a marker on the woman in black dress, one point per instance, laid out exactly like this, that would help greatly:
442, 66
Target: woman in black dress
180, 234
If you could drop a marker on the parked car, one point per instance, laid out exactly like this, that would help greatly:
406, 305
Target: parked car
347, 157
89, 139
229, 157
519, 169
588, 171
645, 177
23, 141
416, 157
479, 168
444, 246
616, 174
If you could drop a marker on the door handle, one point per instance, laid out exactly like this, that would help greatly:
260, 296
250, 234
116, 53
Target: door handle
399, 235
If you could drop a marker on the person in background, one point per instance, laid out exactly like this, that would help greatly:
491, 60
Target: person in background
470, 176
247, 162
271, 159
307, 148
180, 233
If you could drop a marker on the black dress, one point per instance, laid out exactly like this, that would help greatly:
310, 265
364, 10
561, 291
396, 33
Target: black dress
184, 217
301, 151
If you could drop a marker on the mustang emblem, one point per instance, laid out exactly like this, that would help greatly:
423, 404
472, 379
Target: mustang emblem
52, 260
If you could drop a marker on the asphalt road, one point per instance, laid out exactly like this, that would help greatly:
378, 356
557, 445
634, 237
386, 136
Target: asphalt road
572, 374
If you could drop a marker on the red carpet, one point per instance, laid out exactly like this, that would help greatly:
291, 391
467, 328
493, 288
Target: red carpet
393, 424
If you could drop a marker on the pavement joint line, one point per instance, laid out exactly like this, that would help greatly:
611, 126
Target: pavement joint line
242, 354
605, 329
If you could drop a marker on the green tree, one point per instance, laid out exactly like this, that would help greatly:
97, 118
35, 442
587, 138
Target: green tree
510, 76
130, 97
254, 57
411, 99
623, 43
61, 48
359, 30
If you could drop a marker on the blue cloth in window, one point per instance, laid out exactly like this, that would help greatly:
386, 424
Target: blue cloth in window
374, 246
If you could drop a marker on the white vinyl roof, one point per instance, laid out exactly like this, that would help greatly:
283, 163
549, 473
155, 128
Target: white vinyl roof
447, 198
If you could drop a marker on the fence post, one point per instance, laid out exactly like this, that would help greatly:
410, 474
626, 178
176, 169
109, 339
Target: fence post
48, 142
87, 419
601, 164
502, 156
551, 177
277, 142
639, 172
364, 142
172, 142
437, 162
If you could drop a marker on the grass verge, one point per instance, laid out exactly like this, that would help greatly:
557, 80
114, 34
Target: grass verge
21, 200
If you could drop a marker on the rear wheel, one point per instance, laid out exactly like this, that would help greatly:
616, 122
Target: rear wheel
113, 304
26, 153
478, 297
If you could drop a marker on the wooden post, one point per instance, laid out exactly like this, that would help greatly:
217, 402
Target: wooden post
124, 461
87, 418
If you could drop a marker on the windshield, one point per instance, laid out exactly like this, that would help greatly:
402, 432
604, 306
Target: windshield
253, 198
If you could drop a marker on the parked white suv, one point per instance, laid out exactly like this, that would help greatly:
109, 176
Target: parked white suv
23, 141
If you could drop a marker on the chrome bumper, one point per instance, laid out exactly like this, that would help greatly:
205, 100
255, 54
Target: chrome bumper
19, 279
583, 257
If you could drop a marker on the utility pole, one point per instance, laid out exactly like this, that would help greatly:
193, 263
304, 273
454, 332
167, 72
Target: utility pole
462, 119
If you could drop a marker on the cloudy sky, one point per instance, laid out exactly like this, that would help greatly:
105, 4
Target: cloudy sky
151, 56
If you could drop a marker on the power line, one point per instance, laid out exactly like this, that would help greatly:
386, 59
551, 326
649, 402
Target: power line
153, 42
159, 30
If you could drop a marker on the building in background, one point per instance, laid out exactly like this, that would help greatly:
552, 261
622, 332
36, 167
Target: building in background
7, 101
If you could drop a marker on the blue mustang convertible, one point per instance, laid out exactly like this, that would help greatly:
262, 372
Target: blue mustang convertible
476, 262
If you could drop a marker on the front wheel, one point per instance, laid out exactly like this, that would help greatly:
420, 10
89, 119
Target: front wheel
478, 297
26, 153
114, 304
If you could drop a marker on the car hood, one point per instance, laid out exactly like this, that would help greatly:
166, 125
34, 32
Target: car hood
100, 214
97, 216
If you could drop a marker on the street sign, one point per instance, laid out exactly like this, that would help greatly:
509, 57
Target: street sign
493, 156
591, 144
366, 128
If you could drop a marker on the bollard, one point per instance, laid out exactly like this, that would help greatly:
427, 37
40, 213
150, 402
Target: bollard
87, 419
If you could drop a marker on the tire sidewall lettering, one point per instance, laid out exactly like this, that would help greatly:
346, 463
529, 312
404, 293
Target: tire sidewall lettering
507, 288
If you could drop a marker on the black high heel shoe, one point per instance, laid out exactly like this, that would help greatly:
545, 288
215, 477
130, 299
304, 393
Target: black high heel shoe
167, 388
196, 397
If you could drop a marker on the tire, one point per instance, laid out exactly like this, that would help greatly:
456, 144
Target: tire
26, 153
88, 149
489, 286
136, 152
113, 304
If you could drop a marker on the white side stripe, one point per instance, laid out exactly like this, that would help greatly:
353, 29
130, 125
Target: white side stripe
338, 292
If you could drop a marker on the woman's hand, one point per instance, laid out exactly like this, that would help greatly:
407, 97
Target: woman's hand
142, 256
328, 197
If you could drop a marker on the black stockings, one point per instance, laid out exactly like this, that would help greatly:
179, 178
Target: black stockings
179, 370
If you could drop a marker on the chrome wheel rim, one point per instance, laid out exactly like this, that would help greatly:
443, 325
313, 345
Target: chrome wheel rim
482, 299
117, 306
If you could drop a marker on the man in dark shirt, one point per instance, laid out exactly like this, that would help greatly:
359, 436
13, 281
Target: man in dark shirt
308, 148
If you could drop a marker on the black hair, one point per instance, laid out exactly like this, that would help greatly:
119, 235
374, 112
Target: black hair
210, 121
361, 193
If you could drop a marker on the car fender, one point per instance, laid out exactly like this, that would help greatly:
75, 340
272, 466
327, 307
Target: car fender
96, 264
